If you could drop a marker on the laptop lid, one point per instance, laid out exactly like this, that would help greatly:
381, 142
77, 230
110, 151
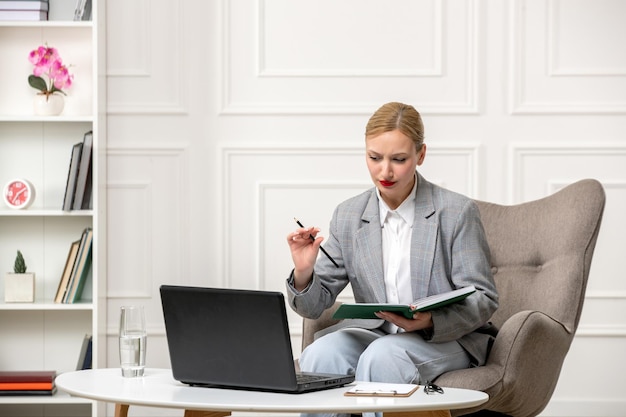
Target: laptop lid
231, 338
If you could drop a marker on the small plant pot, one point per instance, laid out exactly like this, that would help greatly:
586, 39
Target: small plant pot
19, 288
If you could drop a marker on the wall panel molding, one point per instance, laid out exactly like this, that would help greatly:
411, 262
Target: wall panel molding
590, 67
142, 80
601, 331
146, 187
541, 82
137, 275
520, 155
138, 61
248, 86
434, 70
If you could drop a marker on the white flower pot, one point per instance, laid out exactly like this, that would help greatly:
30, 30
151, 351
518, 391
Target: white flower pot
51, 105
19, 288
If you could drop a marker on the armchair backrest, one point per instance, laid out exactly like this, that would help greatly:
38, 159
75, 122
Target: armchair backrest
541, 251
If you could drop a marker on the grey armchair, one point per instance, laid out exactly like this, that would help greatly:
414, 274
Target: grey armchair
541, 255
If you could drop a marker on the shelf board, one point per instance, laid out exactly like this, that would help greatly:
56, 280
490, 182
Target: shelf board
29, 118
45, 213
46, 24
46, 305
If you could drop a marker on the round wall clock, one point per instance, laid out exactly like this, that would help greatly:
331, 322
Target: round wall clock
18, 194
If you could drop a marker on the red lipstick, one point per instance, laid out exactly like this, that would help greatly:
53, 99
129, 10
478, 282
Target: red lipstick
386, 183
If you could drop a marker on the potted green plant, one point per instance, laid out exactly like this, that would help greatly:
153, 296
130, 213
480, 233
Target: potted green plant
19, 285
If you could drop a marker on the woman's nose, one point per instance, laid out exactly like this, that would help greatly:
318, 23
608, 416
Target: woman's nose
387, 170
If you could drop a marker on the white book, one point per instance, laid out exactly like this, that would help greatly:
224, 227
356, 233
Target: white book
23, 5
17, 15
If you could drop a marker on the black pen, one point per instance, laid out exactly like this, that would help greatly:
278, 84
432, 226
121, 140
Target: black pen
313, 239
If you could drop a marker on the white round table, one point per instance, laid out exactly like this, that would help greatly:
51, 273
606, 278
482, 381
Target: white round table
157, 388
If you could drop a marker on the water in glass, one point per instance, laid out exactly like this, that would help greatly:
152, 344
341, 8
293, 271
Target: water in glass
132, 341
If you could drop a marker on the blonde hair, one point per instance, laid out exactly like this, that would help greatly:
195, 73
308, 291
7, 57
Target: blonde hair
397, 116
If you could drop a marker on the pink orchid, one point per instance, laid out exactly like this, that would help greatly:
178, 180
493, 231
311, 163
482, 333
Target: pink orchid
60, 74
47, 61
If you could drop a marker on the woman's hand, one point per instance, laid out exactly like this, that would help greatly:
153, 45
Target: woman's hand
304, 246
420, 321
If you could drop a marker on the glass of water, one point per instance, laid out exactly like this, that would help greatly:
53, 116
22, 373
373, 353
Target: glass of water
132, 341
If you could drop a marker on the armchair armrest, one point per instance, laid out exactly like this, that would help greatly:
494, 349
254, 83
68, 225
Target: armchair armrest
312, 326
530, 343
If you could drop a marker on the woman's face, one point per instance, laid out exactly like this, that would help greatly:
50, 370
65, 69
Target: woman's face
391, 161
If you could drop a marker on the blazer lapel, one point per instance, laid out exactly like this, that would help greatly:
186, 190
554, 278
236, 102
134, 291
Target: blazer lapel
423, 239
369, 250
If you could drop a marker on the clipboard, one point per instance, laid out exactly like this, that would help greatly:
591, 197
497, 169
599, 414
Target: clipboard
373, 389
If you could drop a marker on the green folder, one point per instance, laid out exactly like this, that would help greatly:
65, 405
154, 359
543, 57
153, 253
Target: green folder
367, 310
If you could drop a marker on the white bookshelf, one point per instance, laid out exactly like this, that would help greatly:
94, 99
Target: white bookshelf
44, 335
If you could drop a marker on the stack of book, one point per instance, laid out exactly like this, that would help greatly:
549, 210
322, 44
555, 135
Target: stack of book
27, 382
78, 189
18, 10
77, 269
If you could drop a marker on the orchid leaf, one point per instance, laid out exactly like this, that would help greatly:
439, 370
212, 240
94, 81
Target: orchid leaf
38, 83
55, 90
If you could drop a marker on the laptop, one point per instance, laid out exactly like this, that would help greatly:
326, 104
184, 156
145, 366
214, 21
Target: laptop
238, 339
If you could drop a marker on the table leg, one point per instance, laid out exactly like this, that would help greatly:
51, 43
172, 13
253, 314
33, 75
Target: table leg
202, 413
437, 413
121, 410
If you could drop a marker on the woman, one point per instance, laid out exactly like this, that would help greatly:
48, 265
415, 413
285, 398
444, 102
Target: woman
398, 242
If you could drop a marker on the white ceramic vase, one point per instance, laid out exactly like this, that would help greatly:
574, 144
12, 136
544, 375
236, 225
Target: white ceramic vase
48, 105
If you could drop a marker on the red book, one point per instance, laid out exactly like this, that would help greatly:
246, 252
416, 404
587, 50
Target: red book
27, 376
30, 386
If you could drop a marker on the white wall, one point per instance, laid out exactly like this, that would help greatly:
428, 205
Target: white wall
229, 118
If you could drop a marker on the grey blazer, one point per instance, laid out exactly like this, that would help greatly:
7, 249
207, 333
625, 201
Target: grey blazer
448, 251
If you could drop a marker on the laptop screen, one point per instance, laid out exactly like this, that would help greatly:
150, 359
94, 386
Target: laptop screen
227, 337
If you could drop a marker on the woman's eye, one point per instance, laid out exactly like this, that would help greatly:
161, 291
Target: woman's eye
401, 160
374, 158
